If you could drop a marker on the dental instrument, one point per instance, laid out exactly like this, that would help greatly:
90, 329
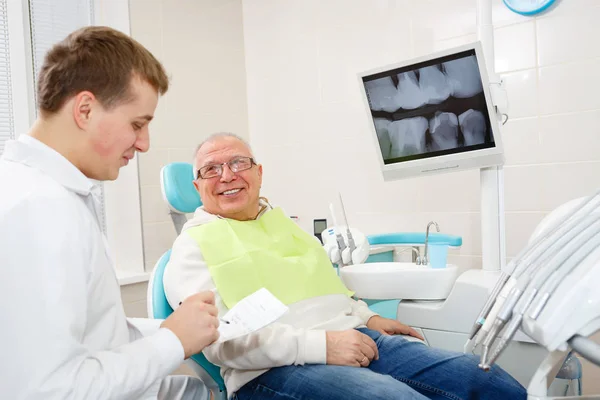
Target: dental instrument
540, 297
529, 268
526, 289
516, 267
539, 271
341, 245
351, 244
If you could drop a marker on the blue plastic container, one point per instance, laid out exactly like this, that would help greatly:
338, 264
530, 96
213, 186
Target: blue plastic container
438, 254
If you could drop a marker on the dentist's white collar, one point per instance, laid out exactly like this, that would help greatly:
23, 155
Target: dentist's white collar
35, 154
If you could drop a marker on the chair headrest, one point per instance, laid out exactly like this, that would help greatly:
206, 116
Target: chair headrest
176, 184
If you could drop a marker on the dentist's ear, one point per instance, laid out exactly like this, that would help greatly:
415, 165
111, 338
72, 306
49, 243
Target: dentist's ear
82, 108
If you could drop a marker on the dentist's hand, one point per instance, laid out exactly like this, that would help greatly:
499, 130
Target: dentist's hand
195, 323
350, 348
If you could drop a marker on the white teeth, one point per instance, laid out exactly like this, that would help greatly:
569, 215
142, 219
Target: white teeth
382, 94
463, 77
383, 136
232, 191
434, 85
443, 128
409, 92
472, 125
407, 136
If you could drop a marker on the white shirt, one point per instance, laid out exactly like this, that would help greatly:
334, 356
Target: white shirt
297, 338
63, 331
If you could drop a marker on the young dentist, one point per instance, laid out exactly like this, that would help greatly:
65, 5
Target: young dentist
64, 334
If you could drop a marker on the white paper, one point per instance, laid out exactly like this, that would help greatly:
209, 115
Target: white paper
250, 314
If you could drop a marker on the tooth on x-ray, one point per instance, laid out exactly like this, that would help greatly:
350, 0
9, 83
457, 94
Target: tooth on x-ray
434, 86
383, 136
382, 94
408, 136
472, 125
463, 76
409, 92
443, 128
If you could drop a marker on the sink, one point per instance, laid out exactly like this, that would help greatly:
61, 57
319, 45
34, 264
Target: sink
399, 280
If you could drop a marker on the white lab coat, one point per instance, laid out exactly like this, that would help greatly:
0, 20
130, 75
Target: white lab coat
63, 331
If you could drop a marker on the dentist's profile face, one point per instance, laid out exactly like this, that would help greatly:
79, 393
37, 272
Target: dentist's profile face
231, 190
117, 133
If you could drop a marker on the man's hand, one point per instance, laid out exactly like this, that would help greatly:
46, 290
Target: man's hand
351, 348
388, 326
195, 323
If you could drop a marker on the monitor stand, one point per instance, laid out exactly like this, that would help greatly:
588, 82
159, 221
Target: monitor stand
493, 246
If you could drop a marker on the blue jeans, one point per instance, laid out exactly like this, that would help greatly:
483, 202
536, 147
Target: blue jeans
405, 370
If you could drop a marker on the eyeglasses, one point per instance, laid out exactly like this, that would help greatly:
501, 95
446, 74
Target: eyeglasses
235, 165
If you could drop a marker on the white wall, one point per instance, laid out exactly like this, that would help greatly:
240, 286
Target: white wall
201, 45
310, 132
309, 129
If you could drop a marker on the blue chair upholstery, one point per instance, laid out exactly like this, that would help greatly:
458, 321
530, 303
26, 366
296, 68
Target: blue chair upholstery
159, 308
176, 184
177, 187
413, 239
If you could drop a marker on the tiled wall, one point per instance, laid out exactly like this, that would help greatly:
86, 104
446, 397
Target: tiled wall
201, 45
309, 130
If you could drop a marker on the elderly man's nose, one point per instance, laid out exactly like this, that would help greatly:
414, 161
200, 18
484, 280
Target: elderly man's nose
227, 174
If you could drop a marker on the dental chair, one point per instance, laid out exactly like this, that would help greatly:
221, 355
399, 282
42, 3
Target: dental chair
182, 198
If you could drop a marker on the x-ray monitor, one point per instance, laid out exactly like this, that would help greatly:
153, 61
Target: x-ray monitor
433, 114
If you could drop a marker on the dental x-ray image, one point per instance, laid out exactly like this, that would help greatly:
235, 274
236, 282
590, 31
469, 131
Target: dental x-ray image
429, 109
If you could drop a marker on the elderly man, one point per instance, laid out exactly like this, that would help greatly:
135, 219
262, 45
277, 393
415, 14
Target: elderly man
328, 346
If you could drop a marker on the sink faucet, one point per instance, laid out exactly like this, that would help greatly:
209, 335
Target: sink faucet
425, 261
416, 260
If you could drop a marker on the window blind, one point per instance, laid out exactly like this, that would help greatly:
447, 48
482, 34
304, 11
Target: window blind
6, 113
51, 21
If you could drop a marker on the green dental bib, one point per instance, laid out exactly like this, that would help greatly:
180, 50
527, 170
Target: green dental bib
271, 252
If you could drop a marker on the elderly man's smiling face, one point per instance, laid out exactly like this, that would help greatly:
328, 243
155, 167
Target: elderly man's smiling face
223, 191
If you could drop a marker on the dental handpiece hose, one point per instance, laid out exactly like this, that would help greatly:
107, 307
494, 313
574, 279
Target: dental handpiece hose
488, 305
529, 284
512, 266
538, 298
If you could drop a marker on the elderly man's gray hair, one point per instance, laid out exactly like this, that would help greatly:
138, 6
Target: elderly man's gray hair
215, 136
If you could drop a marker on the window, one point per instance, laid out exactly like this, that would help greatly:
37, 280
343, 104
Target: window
28, 28
51, 21
6, 114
